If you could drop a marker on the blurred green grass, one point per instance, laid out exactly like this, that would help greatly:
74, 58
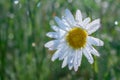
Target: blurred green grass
23, 25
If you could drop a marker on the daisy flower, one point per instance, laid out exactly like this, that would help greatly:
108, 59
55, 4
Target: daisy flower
72, 39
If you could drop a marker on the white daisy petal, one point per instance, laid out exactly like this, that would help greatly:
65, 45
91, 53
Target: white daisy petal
70, 67
76, 61
64, 52
69, 17
55, 28
79, 57
93, 26
52, 44
61, 24
65, 22
70, 60
95, 52
61, 52
58, 53
64, 62
60, 45
78, 16
95, 41
92, 50
88, 55
76, 68
53, 35
86, 21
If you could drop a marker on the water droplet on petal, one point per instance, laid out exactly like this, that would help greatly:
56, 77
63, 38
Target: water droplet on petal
71, 61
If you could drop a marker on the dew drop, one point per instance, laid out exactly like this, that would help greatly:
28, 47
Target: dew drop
71, 61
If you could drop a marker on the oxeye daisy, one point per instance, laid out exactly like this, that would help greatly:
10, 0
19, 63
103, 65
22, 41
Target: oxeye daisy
72, 39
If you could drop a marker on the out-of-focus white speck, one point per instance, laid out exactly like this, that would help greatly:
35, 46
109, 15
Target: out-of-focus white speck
116, 22
16, 1
33, 44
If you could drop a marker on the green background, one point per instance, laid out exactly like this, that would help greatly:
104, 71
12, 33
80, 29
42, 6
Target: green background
23, 28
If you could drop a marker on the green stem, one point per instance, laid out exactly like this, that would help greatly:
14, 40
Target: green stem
95, 68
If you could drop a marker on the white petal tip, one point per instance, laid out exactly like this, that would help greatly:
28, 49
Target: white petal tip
75, 68
98, 55
52, 59
70, 67
64, 62
102, 43
47, 34
98, 19
91, 62
63, 66
78, 10
46, 45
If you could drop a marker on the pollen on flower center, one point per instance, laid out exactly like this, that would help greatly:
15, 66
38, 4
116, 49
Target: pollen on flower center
76, 38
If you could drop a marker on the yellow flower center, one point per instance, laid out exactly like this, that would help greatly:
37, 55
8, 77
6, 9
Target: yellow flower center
76, 38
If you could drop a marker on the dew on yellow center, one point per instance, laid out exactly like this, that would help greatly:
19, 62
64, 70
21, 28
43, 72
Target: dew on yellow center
76, 38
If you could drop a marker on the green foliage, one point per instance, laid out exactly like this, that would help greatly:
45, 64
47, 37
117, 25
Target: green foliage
23, 26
